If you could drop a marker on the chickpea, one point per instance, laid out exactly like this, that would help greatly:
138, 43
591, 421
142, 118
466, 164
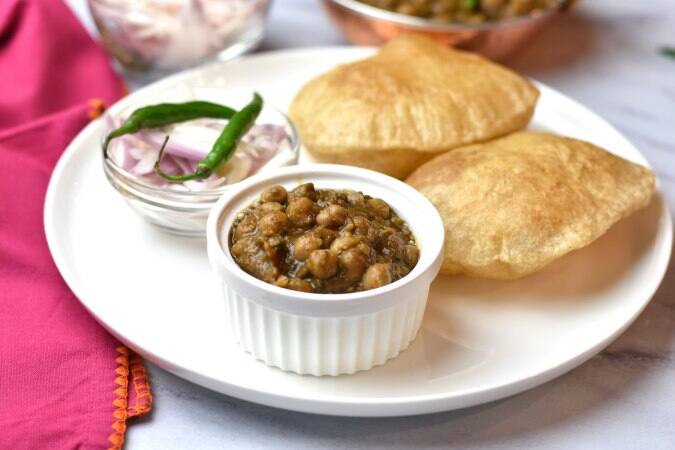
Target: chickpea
363, 248
379, 207
332, 216
305, 245
273, 223
411, 254
361, 225
323, 264
353, 263
301, 212
272, 252
299, 285
386, 233
492, 8
246, 226
355, 198
377, 275
275, 241
348, 227
271, 206
274, 194
330, 197
305, 190
244, 246
520, 7
282, 281
326, 235
245, 251
344, 242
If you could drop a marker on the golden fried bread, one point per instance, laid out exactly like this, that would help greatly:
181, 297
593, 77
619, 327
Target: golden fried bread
411, 101
513, 205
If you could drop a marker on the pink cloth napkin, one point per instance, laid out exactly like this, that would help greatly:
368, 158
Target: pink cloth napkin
65, 383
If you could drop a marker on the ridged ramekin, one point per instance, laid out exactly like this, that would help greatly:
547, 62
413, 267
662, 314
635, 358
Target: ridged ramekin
326, 334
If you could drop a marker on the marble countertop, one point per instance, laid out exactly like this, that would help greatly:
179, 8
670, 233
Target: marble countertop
606, 56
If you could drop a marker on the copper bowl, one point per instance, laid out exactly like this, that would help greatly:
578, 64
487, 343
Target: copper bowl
367, 25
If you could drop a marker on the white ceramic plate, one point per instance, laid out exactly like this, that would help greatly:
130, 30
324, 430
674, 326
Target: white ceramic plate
480, 340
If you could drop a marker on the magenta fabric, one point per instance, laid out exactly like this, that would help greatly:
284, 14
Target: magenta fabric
48, 62
59, 370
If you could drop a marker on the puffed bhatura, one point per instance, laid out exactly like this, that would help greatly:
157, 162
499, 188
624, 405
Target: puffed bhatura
513, 205
414, 99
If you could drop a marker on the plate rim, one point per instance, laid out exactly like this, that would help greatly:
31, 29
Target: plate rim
331, 404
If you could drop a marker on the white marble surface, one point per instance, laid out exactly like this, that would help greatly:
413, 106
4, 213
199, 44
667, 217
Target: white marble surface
605, 55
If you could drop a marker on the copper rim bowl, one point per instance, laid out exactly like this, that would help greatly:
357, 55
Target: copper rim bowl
363, 24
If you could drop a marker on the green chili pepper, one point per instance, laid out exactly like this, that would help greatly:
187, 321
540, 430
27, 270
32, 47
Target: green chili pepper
163, 114
668, 51
223, 148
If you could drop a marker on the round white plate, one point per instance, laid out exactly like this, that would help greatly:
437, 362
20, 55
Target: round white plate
481, 340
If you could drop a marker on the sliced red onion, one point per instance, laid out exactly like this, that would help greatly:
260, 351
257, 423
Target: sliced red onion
155, 139
175, 33
185, 165
120, 154
138, 153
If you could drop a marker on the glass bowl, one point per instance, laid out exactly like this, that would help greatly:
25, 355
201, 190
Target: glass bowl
185, 212
169, 35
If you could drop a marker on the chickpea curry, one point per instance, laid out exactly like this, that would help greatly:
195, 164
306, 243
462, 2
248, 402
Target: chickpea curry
322, 240
466, 11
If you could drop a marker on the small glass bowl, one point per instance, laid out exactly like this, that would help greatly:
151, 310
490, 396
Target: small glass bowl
185, 212
163, 36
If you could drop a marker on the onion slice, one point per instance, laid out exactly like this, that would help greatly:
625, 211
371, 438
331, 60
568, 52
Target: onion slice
188, 144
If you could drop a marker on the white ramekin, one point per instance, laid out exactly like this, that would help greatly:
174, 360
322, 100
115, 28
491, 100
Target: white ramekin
326, 334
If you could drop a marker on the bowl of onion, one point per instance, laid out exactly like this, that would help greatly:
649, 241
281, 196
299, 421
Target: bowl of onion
167, 35
182, 208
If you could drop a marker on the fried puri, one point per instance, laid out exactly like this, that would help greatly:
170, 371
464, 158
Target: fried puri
414, 99
513, 205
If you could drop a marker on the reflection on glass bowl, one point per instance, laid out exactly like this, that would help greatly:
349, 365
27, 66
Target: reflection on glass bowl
168, 35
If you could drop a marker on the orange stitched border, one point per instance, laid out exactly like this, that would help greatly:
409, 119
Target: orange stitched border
139, 380
119, 425
143, 400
